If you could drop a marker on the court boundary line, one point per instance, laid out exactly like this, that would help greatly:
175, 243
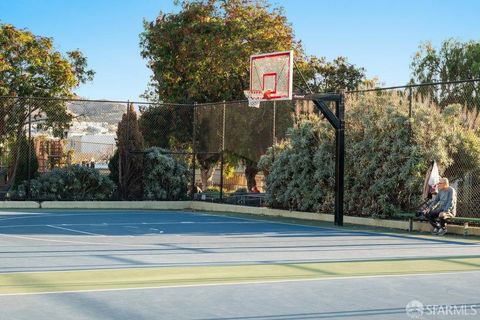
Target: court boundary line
242, 283
76, 231
337, 229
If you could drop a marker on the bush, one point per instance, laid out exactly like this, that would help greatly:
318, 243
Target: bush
387, 156
165, 177
300, 176
71, 183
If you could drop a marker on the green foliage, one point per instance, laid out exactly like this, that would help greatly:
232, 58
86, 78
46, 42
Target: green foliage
453, 61
387, 156
165, 177
166, 126
130, 148
31, 67
113, 168
328, 76
300, 176
201, 54
21, 173
71, 183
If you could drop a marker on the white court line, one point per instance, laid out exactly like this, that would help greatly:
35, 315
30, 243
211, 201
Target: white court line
123, 224
80, 242
77, 231
340, 229
242, 283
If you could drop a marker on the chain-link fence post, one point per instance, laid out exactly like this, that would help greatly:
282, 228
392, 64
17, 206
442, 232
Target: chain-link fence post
194, 138
29, 159
223, 150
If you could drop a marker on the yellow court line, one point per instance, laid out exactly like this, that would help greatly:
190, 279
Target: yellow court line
58, 281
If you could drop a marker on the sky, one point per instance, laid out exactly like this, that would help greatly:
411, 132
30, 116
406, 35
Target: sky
381, 36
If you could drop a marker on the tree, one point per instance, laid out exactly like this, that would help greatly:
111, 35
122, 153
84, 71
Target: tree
329, 76
201, 54
23, 173
453, 61
130, 155
167, 126
31, 67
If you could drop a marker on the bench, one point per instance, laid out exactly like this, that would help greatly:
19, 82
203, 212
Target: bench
412, 217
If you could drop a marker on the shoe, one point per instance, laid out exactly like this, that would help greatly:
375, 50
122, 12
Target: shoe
435, 230
442, 232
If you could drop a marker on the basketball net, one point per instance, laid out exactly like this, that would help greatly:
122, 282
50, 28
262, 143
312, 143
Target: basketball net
256, 96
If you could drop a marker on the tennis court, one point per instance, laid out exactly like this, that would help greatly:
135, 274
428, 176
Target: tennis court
85, 264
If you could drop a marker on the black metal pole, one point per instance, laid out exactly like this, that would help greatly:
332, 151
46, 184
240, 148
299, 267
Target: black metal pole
194, 138
410, 98
223, 150
221, 176
29, 170
340, 161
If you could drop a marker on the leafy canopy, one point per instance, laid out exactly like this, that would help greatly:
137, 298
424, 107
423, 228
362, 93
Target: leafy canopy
201, 54
31, 67
453, 61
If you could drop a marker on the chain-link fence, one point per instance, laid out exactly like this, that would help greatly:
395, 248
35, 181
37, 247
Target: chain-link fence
391, 130
392, 134
37, 135
220, 143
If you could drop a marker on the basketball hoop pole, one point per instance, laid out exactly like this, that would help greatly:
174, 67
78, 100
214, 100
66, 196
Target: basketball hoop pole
337, 120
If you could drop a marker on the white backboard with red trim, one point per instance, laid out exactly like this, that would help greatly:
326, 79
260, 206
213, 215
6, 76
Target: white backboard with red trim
272, 73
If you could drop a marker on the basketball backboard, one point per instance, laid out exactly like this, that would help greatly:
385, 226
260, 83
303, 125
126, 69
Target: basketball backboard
272, 75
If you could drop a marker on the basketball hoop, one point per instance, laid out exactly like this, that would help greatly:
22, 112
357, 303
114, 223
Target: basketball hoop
254, 97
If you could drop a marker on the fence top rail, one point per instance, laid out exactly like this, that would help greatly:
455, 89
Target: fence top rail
416, 85
66, 99
299, 97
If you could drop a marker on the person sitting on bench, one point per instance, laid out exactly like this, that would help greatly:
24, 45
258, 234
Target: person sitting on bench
442, 207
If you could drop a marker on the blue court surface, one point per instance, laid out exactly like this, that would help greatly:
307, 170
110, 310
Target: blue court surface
85, 264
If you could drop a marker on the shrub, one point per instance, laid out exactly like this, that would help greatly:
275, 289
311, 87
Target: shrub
21, 173
70, 183
165, 177
297, 178
387, 156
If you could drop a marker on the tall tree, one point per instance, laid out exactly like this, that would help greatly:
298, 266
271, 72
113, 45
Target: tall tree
31, 67
453, 61
167, 126
130, 156
201, 54
329, 76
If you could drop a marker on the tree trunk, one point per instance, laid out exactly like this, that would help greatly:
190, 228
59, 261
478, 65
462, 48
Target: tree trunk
206, 174
251, 171
207, 169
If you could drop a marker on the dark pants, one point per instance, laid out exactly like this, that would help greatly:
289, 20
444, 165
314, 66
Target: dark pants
435, 220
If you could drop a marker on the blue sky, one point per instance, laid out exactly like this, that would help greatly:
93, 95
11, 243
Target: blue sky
381, 36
